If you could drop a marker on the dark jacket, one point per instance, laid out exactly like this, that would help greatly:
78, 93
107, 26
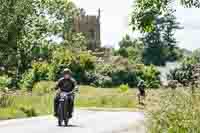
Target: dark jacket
66, 85
141, 86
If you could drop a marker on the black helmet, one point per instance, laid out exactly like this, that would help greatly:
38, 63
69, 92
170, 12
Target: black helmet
67, 71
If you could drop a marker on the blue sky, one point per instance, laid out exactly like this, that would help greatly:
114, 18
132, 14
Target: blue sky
115, 16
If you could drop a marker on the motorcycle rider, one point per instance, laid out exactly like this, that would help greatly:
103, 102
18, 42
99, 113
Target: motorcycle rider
66, 84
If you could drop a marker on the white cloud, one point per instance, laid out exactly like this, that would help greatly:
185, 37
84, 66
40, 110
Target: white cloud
189, 36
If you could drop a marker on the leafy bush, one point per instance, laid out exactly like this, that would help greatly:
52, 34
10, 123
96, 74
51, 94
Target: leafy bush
123, 88
83, 62
131, 49
11, 113
79, 63
123, 76
44, 87
121, 72
105, 69
150, 75
86, 61
122, 52
28, 80
29, 111
178, 112
5, 81
62, 57
103, 81
53, 72
125, 73
185, 73
5, 101
112, 76
182, 75
39, 71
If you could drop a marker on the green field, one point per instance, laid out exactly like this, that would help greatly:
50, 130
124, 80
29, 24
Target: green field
24, 104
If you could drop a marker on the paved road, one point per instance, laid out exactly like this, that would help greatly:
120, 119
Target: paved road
83, 122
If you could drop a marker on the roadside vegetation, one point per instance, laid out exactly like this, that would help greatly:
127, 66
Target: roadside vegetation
23, 104
31, 61
176, 112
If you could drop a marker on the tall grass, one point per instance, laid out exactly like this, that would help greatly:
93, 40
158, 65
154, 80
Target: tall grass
28, 105
107, 98
178, 112
25, 106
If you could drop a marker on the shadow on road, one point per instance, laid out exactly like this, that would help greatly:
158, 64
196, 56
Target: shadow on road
71, 126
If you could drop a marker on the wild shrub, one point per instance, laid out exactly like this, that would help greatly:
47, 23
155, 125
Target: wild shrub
123, 88
28, 80
39, 71
6, 101
124, 76
78, 62
105, 69
29, 111
44, 87
103, 81
150, 75
186, 73
5, 81
177, 112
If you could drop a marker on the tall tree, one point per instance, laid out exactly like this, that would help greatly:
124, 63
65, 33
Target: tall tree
156, 21
131, 49
146, 11
14, 21
26, 25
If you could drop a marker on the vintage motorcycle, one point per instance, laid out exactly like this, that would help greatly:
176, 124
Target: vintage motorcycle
63, 107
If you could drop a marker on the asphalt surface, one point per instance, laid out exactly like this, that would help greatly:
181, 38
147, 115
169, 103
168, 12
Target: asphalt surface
83, 122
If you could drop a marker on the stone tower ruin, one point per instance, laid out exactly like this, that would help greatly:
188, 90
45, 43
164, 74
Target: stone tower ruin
90, 26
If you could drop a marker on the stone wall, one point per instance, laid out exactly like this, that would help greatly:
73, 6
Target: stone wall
90, 26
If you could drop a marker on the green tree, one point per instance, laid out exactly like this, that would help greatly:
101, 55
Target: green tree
157, 23
154, 52
126, 42
160, 44
16, 23
131, 49
146, 11
196, 55
27, 26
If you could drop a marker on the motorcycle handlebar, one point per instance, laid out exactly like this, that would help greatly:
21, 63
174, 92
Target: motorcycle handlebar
72, 92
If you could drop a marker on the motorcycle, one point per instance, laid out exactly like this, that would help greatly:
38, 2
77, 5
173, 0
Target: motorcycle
63, 107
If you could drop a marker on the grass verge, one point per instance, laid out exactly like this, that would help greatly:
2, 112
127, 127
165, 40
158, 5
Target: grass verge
177, 111
29, 105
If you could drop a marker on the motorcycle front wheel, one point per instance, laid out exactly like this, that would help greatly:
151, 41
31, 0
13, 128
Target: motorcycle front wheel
60, 115
66, 113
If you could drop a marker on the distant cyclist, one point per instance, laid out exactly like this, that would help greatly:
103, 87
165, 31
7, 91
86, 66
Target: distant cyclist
141, 94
